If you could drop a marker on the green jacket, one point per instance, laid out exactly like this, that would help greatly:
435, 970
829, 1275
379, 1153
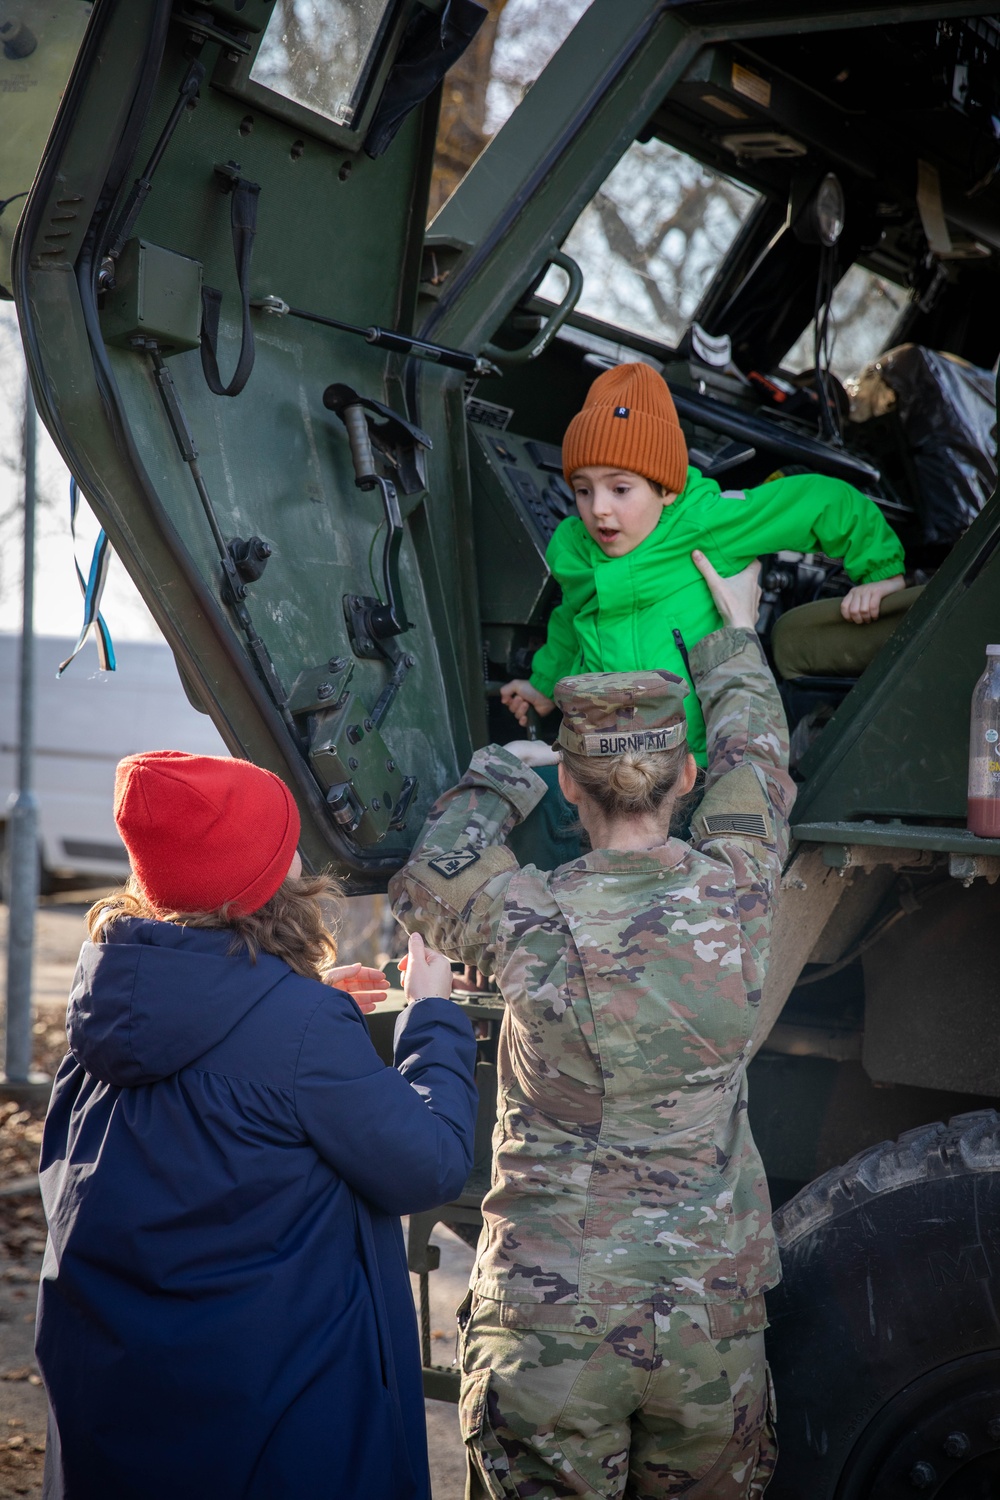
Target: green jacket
644, 611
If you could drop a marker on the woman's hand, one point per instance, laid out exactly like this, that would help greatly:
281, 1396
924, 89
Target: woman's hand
425, 973
738, 598
519, 696
366, 986
533, 752
862, 603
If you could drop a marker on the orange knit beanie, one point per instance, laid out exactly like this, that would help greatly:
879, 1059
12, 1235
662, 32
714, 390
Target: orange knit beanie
628, 419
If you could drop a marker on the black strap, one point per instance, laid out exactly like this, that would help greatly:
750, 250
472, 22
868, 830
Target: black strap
682, 648
244, 219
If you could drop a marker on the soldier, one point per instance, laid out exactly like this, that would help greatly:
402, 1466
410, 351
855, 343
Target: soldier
612, 1342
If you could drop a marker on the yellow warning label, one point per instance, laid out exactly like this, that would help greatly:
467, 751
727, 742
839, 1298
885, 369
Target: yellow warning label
752, 86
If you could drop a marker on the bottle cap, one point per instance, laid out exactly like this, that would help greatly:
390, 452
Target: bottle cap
993, 650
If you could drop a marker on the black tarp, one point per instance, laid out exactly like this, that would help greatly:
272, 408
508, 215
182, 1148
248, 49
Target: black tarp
946, 409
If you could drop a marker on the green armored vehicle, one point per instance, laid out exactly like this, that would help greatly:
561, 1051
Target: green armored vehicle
325, 441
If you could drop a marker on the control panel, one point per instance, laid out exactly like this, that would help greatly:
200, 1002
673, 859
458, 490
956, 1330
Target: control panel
519, 497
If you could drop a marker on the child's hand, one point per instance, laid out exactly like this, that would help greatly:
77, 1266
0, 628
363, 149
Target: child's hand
471, 980
862, 603
533, 752
738, 598
425, 973
519, 696
366, 986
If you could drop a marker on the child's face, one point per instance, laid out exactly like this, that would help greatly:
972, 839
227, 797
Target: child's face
619, 509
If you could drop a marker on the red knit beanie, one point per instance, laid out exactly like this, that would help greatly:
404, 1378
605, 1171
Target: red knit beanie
203, 830
628, 421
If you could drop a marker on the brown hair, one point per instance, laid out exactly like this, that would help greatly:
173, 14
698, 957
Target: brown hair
292, 925
629, 785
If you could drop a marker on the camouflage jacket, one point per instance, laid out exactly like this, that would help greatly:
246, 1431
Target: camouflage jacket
624, 1167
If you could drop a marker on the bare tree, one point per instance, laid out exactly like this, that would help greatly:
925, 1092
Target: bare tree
510, 49
462, 123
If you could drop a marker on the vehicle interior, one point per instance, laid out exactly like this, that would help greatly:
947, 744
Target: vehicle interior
860, 213
343, 530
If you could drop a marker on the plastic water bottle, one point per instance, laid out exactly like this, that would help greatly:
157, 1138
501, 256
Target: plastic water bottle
984, 751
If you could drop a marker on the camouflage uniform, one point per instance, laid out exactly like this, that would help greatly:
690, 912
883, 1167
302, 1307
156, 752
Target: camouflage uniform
615, 1338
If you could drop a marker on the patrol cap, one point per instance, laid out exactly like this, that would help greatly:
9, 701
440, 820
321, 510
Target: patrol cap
619, 713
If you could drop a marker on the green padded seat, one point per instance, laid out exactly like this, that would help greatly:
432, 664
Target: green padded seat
814, 640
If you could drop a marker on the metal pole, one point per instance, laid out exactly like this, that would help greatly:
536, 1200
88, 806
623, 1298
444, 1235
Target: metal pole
22, 813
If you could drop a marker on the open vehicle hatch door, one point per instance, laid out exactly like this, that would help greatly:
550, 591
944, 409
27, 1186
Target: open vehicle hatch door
223, 188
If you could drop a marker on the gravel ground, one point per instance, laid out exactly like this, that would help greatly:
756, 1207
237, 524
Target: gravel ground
59, 932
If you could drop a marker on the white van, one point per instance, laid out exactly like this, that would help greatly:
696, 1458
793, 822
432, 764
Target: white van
85, 722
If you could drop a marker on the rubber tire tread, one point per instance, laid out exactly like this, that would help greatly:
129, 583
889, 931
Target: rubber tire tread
879, 1287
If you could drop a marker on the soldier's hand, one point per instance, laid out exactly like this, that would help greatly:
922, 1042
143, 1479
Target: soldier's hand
533, 752
519, 696
425, 973
738, 598
470, 981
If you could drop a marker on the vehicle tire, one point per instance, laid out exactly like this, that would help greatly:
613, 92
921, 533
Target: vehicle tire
885, 1341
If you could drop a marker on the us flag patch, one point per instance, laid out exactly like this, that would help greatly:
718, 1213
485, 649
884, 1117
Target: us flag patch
744, 825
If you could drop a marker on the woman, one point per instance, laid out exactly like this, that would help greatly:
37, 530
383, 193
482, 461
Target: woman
225, 1309
613, 1343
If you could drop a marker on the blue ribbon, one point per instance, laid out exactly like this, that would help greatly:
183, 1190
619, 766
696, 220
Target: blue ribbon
91, 587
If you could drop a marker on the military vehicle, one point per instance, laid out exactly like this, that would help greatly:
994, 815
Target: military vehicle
325, 441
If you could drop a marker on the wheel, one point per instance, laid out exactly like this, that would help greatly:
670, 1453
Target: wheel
885, 1340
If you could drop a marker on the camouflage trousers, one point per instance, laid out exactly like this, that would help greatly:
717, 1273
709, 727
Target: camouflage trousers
645, 1402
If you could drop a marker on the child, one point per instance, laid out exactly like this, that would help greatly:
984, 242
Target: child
225, 1307
633, 598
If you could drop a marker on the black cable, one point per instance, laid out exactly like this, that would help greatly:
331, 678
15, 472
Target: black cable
6, 202
826, 280
909, 902
186, 94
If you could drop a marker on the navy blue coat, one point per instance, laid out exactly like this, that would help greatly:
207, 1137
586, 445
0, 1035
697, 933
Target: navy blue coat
225, 1310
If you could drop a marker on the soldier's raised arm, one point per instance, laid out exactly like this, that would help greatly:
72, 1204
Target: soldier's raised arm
743, 816
452, 888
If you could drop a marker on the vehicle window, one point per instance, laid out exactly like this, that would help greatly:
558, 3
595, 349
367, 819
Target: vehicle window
511, 48
651, 238
316, 52
863, 312
528, 36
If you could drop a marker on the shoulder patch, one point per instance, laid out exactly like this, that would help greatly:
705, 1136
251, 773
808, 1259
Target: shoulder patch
450, 865
735, 807
745, 825
459, 878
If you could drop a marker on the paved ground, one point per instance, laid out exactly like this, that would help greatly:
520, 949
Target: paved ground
59, 932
